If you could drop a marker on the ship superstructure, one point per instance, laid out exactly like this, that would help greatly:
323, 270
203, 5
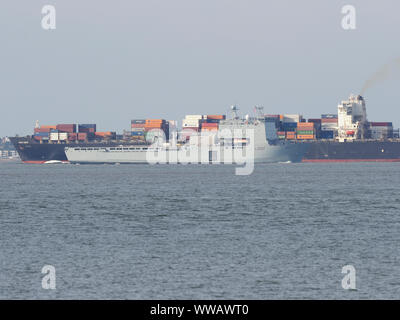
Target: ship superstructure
352, 119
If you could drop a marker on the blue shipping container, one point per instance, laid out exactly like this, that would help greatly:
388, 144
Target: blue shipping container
138, 121
212, 121
86, 125
329, 116
42, 134
289, 125
326, 134
137, 133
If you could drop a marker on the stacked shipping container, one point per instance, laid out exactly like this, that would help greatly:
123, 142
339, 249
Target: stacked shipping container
381, 130
305, 131
66, 132
290, 135
329, 126
88, 128
155, 128
149, 129
137, 129
107, 135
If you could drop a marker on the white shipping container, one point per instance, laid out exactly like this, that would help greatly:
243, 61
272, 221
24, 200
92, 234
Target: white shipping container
63, 136
190, 121
329, 128
381, 134
54, 136
381, 128
292, 118
194, 116
186, 123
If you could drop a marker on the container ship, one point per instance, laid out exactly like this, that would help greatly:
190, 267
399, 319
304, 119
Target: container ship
346, 136
83, 144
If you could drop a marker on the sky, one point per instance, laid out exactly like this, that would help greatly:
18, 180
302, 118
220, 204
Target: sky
108, 62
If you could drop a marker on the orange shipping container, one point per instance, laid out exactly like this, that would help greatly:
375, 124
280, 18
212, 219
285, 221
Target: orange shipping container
205, 124
154, 121
153, 126
209, 129
48, 127
305, 125
104, 134
216, 117
305, 136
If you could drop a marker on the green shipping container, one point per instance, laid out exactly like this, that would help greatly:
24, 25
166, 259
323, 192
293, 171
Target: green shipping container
305, 132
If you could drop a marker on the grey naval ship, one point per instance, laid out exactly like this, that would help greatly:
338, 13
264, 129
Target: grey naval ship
237, 140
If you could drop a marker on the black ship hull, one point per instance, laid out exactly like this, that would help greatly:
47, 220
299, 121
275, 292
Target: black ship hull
357, 151
31, 151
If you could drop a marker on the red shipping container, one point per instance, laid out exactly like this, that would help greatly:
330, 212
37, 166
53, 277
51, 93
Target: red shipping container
210, 125
190, 129
137, 125
381, 124
333, 120
66, 127
82, 136
91, 130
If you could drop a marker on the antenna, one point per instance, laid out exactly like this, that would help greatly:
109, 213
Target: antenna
234, 110
259, 112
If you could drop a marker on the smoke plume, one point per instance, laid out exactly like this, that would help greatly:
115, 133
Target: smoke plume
384, 73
